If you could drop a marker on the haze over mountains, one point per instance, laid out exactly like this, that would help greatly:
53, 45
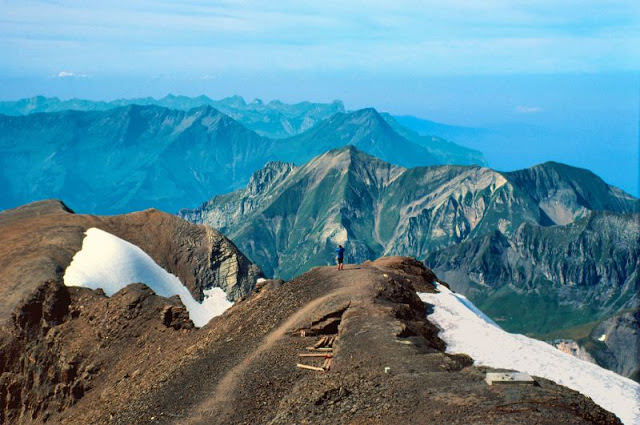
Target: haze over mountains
127, 158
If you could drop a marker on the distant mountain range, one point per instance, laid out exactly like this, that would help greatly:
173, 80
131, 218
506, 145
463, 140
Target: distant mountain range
541, 249
274, 119
134, 157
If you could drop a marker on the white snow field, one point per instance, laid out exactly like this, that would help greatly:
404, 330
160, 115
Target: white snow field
108, 262
467, 330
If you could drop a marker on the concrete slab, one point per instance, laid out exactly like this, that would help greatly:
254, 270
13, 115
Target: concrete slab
508, 378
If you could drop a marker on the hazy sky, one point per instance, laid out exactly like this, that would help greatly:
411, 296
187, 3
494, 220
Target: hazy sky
205, 38
481, 63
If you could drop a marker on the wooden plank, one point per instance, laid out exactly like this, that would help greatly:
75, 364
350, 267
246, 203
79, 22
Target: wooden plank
320, 348
306, 366
320, 343
327, 364
325, 355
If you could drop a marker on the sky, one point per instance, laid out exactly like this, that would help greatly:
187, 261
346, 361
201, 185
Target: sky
570, 67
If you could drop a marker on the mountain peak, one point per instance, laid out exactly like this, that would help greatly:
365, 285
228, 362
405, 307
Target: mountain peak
366, 116
349, 154
369, 111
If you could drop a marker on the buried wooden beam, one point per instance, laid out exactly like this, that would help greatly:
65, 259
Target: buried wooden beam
320, 348
325, 355
306, 366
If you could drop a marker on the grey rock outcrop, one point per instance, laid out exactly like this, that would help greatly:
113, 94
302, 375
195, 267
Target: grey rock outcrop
615, 343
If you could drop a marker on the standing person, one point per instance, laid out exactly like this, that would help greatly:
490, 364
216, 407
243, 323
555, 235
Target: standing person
340, 252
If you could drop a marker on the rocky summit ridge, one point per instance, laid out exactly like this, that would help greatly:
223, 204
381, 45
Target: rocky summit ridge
118, 360
40, 240
57, 343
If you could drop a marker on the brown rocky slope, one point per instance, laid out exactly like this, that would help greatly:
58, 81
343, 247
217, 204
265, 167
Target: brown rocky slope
40, 239
388, 364
57, 343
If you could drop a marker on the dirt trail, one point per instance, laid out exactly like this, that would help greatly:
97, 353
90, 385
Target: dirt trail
220, 403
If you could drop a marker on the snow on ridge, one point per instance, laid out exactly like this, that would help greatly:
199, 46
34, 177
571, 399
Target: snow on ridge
108, 262
465, 329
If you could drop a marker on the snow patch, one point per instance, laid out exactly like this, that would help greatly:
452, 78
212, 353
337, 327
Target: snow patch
108, 262
465, 329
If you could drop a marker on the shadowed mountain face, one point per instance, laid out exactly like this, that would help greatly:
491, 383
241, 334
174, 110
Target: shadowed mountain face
74, 356
135, 157
541, 249
126, 159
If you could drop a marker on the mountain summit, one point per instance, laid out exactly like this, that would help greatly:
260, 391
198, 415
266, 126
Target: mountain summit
365, 129
379, 208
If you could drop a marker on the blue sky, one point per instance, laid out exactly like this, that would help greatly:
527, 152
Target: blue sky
570, 64
204, 38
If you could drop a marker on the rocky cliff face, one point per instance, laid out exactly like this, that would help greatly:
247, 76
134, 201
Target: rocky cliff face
615, 343
384, 209
548, 278
62, 343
